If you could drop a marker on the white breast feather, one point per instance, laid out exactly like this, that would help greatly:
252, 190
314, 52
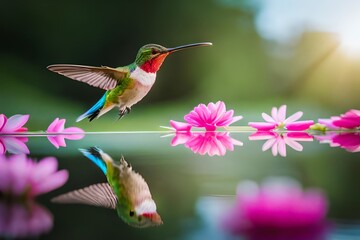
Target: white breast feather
143, 77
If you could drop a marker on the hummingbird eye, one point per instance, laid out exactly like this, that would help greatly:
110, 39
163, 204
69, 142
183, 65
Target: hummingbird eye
131, 213
154, 51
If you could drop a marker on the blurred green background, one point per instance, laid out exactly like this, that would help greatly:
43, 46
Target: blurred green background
303, 66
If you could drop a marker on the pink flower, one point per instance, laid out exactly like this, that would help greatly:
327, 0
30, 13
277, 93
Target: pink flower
14, 145
13, 124
349, 120
279, 204
278, 120
211, 143
348, 141
24, 178
24, 220
278, 141
209, 117
58, 126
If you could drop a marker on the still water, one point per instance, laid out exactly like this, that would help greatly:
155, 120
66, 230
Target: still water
196, 181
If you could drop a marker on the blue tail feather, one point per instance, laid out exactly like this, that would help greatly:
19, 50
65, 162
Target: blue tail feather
94, 154
94, 110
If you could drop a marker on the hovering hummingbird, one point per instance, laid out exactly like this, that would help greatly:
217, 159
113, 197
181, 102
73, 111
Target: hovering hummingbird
125, 86
126, 191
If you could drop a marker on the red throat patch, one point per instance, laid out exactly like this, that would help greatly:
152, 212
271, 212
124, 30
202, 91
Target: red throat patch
153, 65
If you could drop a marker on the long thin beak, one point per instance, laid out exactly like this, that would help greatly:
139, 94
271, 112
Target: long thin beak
175, 49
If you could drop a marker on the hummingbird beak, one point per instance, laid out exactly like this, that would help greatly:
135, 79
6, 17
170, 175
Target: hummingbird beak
175, 49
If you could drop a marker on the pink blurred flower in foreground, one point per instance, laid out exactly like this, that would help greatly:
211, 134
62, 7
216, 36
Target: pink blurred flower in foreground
211, 143
57, 127
21, 177
279, 204
24, 220
209, 117
278, 120
348, 141
14, 145
278, 141
349, 120
13, 124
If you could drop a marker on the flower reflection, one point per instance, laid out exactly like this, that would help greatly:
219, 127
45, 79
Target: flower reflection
58, 126
345, 140
18, 220
211, 143
14, 145
13, 124
21, 177
278, 141
278, 209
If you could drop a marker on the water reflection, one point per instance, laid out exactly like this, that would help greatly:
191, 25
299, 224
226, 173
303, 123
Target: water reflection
347, 140
59, 140
277, 141
277, 209
126, 191
211, 143
21, 180
14, 145
24, 219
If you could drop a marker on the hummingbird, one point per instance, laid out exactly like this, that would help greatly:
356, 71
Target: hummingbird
125, 190
125, 86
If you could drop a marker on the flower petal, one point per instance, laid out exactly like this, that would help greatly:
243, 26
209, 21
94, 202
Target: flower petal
180, 126
267, 118
180, 138
299, 126
274, 114
294, 144
53, 141
296, 116
268, 144
53, 125
15, 145
2, 121
263, 126
56, 180
282, 148
282, 113
14, 123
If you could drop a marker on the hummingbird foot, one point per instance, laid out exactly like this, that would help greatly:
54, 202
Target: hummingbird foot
123, 112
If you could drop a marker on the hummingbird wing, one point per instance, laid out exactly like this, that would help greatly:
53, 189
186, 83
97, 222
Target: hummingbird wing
102, 77
100, 195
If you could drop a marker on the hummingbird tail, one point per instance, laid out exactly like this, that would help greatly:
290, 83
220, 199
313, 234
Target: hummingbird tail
94, 111
95, 155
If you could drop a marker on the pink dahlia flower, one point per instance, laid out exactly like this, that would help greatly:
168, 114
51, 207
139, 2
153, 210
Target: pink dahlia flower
349, 120
57, 127
209, 117
211, 143
13, 124
278, 120
14, 145
24, 221
279, 204
22, 177
278, 141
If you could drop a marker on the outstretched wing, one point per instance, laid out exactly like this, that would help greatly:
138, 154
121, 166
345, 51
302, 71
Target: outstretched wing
103, 77
100, 195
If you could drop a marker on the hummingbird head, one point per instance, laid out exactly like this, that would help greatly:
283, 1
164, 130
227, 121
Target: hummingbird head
151, 56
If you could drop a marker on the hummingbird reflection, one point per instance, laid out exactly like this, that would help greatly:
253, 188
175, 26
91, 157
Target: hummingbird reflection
126, 191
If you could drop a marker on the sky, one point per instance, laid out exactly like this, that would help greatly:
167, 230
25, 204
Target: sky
284, 21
